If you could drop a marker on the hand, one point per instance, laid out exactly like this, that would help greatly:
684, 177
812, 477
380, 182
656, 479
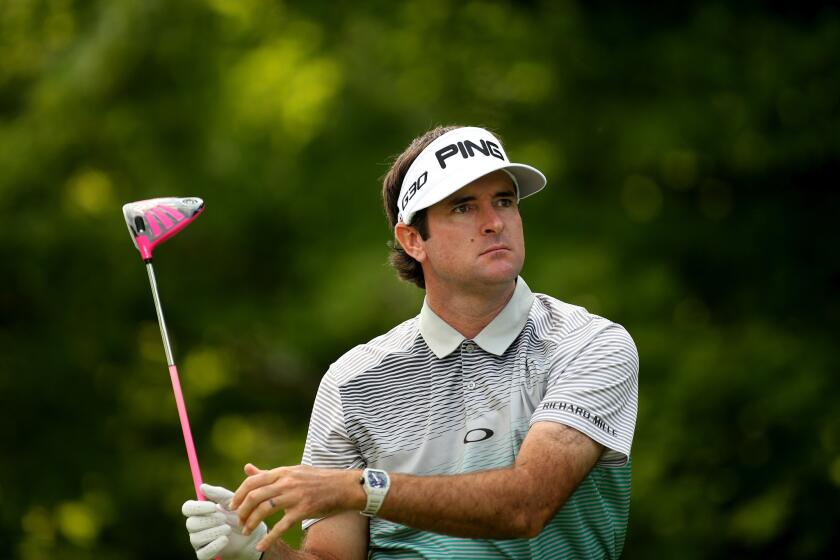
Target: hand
215, 529
303, 492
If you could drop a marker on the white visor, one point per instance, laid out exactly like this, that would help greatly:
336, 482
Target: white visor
454, 160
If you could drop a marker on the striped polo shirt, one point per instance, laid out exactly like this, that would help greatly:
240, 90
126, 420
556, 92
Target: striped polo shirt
422, 399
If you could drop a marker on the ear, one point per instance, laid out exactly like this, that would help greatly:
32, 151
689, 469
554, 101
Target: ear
411, 241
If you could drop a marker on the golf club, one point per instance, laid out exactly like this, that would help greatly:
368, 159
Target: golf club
150, 223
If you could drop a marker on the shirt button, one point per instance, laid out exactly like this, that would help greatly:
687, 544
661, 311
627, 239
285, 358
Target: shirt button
469, 347
471, 385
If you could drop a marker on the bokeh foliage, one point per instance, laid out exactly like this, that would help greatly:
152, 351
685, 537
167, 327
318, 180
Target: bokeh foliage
692, 153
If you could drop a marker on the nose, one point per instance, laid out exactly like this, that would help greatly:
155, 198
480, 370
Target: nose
491, 221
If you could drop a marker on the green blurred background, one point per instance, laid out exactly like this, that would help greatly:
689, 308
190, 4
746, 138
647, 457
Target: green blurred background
692, 153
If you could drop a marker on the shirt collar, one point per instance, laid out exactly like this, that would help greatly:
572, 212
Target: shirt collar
495, 338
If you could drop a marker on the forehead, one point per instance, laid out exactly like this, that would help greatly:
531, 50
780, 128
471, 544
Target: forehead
493, 183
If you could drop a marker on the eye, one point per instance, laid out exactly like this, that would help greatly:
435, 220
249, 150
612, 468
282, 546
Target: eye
461, 209
505, 202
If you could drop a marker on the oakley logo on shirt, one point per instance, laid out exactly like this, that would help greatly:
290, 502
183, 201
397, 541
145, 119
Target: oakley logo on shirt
478, 434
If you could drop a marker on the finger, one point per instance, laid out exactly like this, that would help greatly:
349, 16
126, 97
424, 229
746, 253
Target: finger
206, 536
249, 484
276, 532
258, 515
213, 549
255, 497
197, 523
218, 494
251, 470
254, 481
194, 507
269, 539
267, 496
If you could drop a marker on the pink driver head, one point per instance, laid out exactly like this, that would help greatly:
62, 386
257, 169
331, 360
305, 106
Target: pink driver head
151, 222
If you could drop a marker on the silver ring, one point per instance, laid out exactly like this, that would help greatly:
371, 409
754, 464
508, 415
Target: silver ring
271, 503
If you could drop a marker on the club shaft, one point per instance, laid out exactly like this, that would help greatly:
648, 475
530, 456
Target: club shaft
185, 428
176, 388
163, 334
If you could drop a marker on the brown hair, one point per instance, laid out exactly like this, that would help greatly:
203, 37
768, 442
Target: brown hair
407, 268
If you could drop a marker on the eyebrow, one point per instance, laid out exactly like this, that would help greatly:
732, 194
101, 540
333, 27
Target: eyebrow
470, 198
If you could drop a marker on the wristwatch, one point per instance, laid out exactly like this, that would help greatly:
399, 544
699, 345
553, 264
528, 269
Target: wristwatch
376, 484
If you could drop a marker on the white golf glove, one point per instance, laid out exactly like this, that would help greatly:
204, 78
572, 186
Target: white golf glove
215, 530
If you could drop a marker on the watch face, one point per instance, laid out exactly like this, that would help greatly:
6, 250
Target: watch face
376, 480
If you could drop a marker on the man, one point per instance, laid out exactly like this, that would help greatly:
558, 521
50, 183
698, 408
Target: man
496, 423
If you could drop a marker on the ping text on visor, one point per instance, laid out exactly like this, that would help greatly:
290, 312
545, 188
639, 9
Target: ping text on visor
454, 160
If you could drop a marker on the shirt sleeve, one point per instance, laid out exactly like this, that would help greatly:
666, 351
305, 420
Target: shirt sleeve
596, 391
327, 443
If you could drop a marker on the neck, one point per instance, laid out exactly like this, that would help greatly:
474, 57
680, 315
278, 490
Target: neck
470, 309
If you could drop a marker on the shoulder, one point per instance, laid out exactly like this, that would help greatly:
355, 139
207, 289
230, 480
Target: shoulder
366, 356
573, 326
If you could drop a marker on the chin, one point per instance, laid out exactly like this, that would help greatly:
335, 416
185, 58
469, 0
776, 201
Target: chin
501, 274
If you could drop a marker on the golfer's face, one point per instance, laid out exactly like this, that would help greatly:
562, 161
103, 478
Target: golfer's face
476, 233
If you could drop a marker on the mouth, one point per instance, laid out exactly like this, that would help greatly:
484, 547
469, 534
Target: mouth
495, 250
